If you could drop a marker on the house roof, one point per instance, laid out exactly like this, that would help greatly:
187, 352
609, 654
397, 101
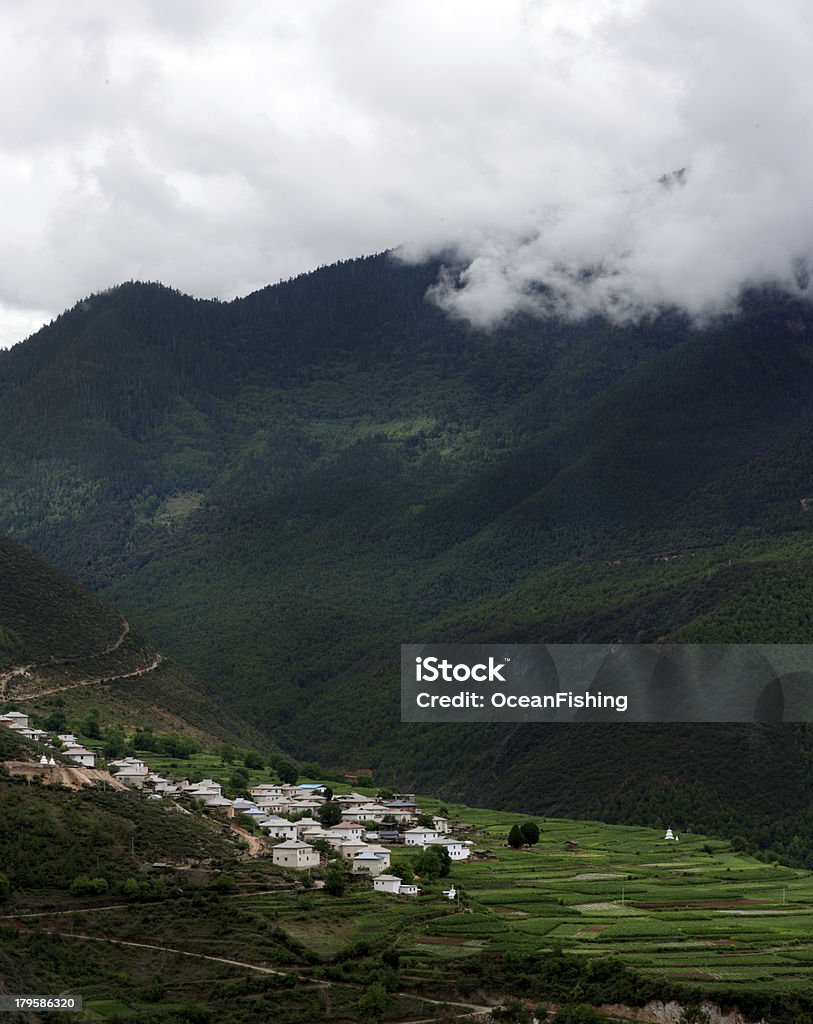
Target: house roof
345, 826
293, 844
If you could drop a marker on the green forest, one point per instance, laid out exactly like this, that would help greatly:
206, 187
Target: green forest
280, 490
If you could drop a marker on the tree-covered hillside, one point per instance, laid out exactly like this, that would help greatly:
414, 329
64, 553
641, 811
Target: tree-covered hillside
64, 654
284, 488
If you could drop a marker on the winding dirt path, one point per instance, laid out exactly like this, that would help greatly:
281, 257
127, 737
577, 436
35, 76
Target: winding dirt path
91, 682
25, 670
467, 1009
183, 952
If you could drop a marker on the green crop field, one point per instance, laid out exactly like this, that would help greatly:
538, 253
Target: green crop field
688, 910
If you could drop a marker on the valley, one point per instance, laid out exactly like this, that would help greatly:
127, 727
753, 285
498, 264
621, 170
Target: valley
251, 505
608, 915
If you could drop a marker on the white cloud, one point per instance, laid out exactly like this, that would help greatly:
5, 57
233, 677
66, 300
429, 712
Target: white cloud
218, 146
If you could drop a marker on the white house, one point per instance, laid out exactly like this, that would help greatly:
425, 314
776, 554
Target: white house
217, 805
274, 820
349, 850
267, 800
421, 837
204, 790
241, 804
304, 824
351, 799
279, 828
387, 883
14, 720
279, 805
380, 851
347, 830
267, 789
81, 756
132, 772
310, 835
456, 849
295, 854
393, 885
441, 825
366, 812
369, 863
402, 810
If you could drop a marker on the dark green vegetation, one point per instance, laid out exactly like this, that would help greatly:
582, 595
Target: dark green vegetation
282, 489
80, 654
52, 835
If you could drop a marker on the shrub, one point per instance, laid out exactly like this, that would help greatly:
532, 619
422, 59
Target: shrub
82, 885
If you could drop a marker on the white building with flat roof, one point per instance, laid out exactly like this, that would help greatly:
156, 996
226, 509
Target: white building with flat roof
421, 837
295, 854
14, 719
368, 863
81, 756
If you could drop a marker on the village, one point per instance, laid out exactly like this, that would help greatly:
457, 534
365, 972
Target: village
301, 822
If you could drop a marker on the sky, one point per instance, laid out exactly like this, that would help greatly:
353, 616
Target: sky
578, 155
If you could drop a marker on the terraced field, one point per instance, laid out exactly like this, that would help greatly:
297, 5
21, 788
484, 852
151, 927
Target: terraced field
689, 910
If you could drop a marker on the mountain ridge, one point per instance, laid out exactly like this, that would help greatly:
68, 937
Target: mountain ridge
284, 488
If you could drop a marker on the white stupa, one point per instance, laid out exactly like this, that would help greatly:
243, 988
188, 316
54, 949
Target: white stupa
669, 834
43, 759
52, 762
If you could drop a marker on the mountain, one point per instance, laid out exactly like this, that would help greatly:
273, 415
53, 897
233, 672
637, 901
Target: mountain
64, 652
284, 488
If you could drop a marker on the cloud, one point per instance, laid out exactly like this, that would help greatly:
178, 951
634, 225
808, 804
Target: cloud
727, 89
218, 146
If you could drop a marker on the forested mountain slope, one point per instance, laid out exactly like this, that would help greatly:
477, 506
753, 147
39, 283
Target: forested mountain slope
63, 651
284, 488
